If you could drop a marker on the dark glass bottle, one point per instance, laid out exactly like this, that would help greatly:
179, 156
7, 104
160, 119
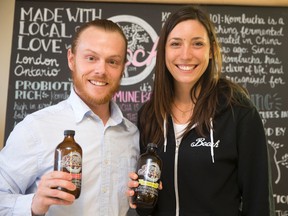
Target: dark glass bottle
68, 158
149, 172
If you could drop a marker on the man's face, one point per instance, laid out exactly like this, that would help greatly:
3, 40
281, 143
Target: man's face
97, 65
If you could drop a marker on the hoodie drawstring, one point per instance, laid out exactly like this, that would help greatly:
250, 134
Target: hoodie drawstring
212, 140
165, 134
211, 137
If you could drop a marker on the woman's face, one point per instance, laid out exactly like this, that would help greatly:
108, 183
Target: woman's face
187, 52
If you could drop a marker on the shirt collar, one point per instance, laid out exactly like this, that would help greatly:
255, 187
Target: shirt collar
81, 110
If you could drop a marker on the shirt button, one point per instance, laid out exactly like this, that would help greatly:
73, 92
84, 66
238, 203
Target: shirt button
104, 190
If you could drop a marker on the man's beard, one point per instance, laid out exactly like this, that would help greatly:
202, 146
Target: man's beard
90, 100
104, 99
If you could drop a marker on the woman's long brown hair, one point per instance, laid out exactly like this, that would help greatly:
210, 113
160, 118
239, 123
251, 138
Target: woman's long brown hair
153, 113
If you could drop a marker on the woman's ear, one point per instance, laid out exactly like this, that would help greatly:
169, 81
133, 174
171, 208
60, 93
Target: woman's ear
212, 48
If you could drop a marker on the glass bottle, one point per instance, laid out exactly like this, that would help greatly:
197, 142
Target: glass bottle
149, 168
68, 158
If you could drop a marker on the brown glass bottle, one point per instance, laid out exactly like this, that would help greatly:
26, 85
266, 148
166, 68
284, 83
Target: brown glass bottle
68, 158
149, 172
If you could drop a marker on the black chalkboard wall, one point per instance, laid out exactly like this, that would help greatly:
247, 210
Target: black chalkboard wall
254, 44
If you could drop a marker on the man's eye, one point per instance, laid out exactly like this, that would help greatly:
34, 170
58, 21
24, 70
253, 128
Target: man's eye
90, 58
113, 62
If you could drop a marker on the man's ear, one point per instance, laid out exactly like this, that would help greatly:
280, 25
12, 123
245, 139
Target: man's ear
70, 58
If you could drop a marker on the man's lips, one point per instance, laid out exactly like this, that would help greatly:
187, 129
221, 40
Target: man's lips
98, 83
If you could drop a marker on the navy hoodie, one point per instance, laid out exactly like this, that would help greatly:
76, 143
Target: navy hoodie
231, 178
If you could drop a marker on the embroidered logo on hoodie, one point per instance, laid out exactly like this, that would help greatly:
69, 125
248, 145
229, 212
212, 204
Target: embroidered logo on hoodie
201, 142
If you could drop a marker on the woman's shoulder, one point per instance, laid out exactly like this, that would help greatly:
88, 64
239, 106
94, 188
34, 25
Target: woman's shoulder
233, 94
145, 107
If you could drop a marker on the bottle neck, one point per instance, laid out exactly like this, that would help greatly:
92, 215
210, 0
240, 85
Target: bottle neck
151, 149
69, 136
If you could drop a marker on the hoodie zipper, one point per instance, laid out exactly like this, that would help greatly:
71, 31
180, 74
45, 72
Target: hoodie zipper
176, 175
177, 141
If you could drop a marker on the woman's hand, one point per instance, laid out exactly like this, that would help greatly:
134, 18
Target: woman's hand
133, 183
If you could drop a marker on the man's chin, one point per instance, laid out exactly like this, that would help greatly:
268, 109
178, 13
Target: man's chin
99, 99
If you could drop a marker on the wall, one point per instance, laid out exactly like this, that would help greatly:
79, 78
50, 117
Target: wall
6, 23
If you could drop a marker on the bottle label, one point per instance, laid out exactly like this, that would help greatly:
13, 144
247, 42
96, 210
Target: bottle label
151, 173
147, 183
72, 162
145, 188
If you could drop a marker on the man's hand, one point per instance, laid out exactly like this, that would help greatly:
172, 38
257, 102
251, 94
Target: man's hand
46, 194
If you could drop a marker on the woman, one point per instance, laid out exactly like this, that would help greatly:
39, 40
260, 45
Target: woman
210, 136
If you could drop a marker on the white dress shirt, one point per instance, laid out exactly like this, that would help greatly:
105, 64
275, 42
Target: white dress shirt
110, 152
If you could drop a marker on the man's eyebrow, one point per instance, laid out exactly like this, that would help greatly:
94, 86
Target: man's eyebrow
112, 56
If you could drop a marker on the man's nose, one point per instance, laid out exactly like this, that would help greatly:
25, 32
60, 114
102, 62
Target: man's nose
100, 67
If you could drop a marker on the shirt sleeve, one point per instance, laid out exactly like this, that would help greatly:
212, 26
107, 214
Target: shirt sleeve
16, 205
18, 171
254, 167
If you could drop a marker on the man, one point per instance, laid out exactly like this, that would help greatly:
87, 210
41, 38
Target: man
108, 140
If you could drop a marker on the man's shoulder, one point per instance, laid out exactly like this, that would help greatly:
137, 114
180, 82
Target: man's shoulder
50, 110
129, 124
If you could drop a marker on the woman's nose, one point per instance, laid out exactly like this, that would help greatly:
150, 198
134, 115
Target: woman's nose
186, 53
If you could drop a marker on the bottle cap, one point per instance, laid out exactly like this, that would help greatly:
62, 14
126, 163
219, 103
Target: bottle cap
69, 132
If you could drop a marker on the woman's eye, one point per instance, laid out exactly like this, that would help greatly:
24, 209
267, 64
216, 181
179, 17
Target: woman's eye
175, 44
198, 44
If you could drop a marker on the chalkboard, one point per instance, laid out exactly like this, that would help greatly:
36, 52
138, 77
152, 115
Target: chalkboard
254, 45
